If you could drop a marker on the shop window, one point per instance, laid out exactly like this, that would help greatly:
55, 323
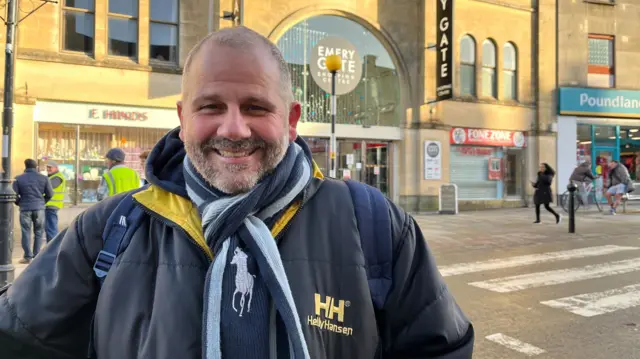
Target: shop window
82, 162
489, 69
123, 28
163, 29
510, 72
583, 145
319, 148
630, 150
375, 101
78, 17
601, 61
467, 66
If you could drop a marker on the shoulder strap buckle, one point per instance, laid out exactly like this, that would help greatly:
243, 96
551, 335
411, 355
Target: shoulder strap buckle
103, 263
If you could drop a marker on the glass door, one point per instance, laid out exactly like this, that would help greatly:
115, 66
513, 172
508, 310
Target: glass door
513, 173
377, 166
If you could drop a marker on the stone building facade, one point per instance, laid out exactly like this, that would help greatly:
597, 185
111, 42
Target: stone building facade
92, 74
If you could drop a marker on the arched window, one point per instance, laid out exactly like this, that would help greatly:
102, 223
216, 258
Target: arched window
489, 69
467, 66
510, 72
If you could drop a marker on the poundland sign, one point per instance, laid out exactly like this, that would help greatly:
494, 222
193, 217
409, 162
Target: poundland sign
599, 102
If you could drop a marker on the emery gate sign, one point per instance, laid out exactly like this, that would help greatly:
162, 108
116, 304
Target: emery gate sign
348, 77
444, 61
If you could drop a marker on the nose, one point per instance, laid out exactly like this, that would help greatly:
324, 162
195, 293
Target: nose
234, 126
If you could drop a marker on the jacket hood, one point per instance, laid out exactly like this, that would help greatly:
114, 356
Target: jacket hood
164, 165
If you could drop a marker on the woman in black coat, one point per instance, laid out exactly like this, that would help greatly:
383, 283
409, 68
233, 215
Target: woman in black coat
543, 194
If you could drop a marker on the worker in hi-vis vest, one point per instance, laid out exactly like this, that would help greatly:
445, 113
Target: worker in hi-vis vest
118, 178
59, 185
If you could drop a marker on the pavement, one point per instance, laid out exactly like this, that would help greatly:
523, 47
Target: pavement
535, 290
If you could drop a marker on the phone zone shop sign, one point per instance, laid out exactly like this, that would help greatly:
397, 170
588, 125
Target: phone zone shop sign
486, 137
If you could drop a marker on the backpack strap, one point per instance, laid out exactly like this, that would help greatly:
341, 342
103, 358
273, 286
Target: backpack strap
374, 224
117, 233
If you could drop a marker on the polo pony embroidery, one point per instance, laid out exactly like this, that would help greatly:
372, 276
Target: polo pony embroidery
244, 280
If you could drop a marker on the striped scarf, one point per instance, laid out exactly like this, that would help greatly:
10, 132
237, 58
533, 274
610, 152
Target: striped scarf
246, 283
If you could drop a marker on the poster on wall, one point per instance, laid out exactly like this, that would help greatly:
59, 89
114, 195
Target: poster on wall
444, 56
432, 160
495, 169
348, 77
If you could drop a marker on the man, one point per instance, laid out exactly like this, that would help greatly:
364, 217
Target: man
118, 178
580, 177
33, 190
288, 279
143, 162
618, 182
59, 185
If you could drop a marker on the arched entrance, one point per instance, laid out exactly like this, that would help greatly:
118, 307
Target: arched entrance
375, 103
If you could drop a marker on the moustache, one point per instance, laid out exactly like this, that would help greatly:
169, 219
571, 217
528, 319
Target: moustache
225, 144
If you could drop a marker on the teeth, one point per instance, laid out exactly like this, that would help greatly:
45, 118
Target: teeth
234, 154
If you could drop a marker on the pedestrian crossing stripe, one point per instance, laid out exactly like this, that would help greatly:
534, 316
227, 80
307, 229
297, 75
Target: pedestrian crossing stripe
593, 304
515, 344
560, 276
530, 259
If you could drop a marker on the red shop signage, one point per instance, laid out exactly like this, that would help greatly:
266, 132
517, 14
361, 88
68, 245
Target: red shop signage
485, 137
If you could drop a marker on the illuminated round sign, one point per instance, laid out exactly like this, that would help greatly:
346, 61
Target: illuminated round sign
348, 77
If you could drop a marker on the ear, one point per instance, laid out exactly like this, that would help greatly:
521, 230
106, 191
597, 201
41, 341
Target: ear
294, 116
182, 123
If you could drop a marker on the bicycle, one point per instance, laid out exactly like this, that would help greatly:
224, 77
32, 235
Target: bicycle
591, 197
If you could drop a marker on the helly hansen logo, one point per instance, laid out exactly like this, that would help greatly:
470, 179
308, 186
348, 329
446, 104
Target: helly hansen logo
328, 310
329, 307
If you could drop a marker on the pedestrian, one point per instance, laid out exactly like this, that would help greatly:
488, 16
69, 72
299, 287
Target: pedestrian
32, 190
143, 162
618, 185
543, 194
118, 178
290, 278
56, 203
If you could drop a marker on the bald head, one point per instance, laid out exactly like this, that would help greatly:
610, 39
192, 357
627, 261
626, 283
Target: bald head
241, 38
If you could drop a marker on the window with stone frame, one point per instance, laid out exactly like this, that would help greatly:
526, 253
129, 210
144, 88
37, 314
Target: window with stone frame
78, 26
163, 30
123, 28
467, 66
601, 70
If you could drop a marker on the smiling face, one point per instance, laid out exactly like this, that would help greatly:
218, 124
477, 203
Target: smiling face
235, 123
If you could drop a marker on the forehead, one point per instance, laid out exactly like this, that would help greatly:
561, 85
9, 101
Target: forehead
221, 64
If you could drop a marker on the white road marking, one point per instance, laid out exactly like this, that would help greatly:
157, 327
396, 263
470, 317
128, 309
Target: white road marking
540, 279
515, 344
592, 304
530, 259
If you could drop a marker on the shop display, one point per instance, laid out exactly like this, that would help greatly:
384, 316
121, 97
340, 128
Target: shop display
57, 142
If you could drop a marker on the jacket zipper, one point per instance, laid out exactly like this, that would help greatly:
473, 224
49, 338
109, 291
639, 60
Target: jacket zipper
174, 226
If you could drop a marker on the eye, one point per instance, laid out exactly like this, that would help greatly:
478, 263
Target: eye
255, 110
210, 107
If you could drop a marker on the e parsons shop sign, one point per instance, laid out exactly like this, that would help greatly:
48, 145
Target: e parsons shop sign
599, 102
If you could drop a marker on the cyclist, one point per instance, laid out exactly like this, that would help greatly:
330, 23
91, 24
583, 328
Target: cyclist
581, 177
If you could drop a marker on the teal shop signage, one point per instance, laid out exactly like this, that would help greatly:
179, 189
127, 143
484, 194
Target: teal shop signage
599, 102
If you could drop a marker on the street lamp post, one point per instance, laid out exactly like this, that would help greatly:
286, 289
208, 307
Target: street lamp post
7, 196
334, 64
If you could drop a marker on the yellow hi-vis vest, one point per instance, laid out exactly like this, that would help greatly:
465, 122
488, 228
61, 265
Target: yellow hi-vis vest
58, 192
121, 179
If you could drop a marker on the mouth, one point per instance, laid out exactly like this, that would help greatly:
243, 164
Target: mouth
236, 156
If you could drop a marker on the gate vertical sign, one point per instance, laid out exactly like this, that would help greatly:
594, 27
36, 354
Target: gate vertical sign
444, 62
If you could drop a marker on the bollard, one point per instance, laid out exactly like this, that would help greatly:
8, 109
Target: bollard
572, 205
7, 200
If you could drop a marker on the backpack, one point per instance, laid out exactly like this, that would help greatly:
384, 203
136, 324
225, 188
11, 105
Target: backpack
372, 215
